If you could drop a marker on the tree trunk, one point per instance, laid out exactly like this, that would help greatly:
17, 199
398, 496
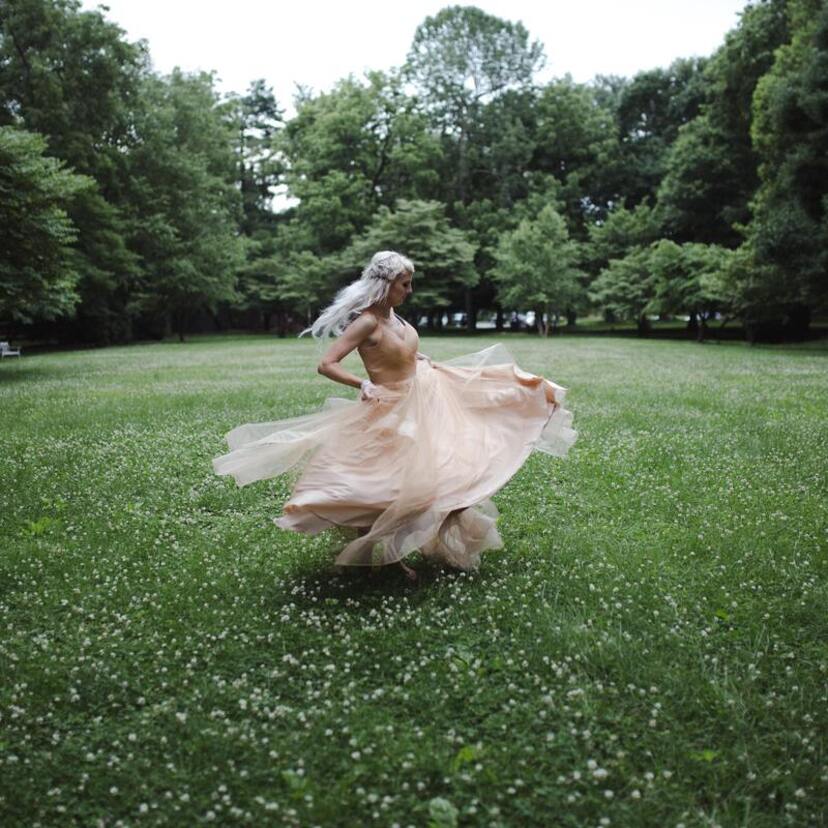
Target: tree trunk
692, 323
701, 328
216, 319
180, 324
797, 322
471, 312
571, 316
499, 320
282, 323
643, 325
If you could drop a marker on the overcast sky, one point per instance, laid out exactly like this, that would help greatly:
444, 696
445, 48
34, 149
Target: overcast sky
315, 43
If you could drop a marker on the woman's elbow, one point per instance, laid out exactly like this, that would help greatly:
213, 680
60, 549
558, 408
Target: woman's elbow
323, 368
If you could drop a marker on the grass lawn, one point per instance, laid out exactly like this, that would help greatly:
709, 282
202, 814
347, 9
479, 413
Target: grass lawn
649, 649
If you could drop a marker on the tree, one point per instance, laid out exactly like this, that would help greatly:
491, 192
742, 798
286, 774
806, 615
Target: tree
626, 287
352, 149
257, 119
462, 57
282, 276
537, 268
788, 234
686, 279
37, 267
474, 74
71, 76
573, 139
442, 255
711, 169
623, 231
184, 195
651, 108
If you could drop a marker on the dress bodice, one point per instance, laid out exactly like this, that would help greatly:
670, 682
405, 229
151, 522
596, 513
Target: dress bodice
390, 354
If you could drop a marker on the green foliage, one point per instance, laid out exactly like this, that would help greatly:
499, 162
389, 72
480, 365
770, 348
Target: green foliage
460, 142
186, 207
37, 278
697, 192
626, 287
442, 813
651, 109
788, 235
473, 71
442, 255
622, 231
463, 56
687, 278
664, 278
575, 140
711, 169
71, 76
537, 267
353, 149
256, 119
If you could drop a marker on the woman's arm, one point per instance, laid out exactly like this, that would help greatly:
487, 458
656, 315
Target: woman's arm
355, 334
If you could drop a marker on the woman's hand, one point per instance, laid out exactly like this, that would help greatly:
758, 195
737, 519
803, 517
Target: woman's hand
368, 390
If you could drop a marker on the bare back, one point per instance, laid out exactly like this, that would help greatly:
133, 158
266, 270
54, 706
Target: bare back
389, 353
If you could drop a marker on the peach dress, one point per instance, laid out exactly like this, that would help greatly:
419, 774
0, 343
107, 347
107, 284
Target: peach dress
416, 466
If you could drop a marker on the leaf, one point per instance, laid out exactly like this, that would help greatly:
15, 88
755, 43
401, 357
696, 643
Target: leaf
442, 813
296, 784
466, 754
40, 526
463, 655
706, 755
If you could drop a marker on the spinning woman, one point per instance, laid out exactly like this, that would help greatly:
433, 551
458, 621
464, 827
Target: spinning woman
412, 464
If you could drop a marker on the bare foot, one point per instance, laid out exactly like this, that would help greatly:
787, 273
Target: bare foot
410, 573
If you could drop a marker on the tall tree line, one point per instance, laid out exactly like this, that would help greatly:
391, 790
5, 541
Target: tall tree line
137, 205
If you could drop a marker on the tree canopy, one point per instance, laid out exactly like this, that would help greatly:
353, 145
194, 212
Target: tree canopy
137, 204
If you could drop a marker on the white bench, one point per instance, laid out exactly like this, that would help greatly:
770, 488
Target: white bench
7, 350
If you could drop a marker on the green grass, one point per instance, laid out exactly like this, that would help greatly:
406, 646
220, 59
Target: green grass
648, 649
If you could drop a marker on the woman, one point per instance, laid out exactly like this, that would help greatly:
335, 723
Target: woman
413, 462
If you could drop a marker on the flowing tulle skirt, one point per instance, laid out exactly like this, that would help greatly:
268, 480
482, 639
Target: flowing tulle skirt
417, 466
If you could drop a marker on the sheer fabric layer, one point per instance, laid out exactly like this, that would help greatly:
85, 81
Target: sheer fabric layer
418, 465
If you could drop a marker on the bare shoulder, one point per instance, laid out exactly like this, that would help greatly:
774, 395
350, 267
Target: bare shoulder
368, 317
362, 326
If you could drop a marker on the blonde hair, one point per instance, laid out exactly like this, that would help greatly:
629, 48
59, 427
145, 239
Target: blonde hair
371, 288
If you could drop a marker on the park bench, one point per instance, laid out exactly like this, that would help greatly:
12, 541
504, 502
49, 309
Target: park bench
7, 350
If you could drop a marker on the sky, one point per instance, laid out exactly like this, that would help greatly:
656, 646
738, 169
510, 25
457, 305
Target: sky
315, 43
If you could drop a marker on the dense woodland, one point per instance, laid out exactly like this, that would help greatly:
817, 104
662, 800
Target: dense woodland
136, 205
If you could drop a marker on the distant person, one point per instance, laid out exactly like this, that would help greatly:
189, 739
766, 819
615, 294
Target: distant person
412, 464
